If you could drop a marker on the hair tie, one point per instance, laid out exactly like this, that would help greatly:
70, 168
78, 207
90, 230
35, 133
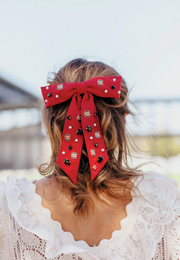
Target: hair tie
82, 122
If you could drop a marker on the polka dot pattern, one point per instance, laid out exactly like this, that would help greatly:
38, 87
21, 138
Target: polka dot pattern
82, 121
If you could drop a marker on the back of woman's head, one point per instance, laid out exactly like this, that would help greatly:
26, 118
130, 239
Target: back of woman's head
116, 175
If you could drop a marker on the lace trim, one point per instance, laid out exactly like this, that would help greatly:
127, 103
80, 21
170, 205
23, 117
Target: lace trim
2, 202
143, 226
175, 239
175, 227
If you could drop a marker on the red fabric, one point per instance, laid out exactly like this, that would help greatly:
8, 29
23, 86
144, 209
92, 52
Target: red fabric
84, 106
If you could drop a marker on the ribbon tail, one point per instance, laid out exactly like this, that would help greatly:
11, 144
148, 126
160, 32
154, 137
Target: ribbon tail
94, 140
72, 141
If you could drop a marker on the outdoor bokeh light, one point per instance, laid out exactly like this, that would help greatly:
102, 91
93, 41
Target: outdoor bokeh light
140, 39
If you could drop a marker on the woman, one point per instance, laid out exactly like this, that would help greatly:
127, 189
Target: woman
90, 204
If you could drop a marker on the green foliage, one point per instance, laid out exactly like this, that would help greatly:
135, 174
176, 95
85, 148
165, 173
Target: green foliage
162, 146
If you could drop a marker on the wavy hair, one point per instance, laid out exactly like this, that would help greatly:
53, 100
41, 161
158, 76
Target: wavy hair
116, 176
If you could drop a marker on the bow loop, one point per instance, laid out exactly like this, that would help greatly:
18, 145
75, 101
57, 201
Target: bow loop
82, 122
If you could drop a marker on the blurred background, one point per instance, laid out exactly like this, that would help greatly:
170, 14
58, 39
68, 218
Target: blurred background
140, 39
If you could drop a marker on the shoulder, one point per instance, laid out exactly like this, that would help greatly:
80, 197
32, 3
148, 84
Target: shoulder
164, 193
12, 186
48, 186
160, 183
156, 180
159, 186
159, 215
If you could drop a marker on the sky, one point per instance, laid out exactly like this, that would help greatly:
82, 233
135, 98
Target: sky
139, 38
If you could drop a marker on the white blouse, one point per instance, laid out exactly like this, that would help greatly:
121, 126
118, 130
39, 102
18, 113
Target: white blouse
151, 231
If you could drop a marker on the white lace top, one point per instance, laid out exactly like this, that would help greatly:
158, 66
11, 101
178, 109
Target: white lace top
150, 231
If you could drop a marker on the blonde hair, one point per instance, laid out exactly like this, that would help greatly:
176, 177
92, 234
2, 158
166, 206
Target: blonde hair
114, 177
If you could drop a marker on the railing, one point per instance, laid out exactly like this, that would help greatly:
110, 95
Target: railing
156, 117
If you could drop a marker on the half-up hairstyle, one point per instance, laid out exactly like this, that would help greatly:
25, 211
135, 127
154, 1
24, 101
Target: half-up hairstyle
116, 176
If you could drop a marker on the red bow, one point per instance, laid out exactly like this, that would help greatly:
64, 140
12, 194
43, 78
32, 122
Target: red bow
82, 121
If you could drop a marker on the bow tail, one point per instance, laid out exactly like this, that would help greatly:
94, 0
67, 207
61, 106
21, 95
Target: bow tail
94, 140
72, 140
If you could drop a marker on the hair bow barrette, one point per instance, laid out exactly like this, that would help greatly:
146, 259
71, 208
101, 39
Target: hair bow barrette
82, 122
